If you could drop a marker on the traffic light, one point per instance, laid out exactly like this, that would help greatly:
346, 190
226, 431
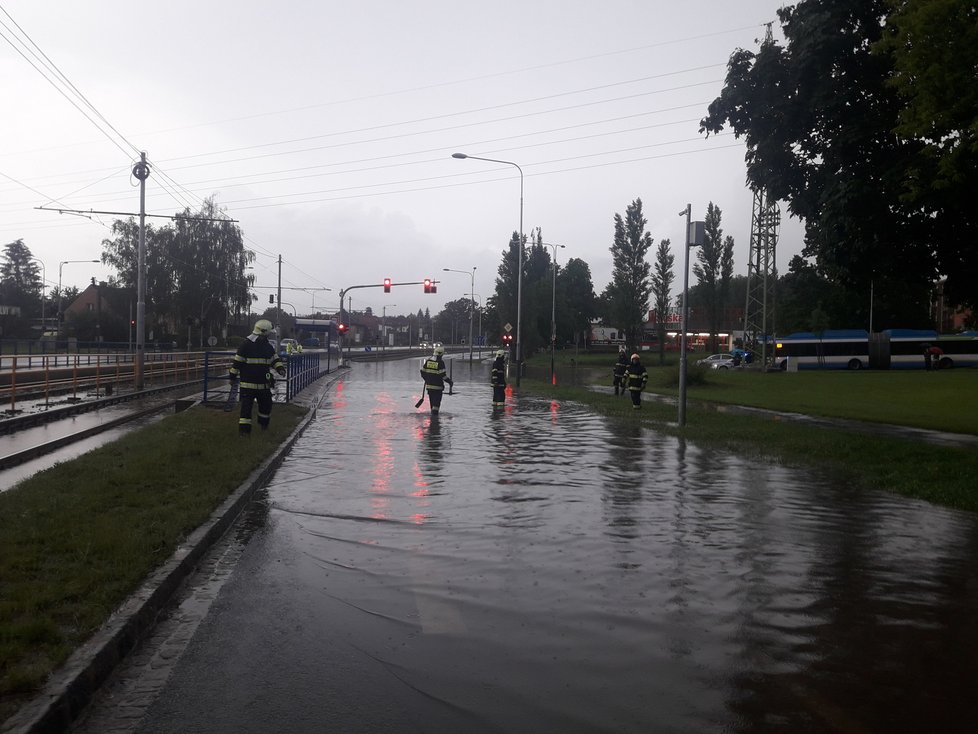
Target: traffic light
341, 328
387, 285
132, 322
507, 339
427, 285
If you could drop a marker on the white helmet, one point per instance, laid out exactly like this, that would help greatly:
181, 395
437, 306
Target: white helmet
500, 352
262, 327
439, 350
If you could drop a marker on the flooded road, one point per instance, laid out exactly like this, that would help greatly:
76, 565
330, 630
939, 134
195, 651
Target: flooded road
543, 569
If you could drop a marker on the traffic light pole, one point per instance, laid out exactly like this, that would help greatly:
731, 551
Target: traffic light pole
385, 285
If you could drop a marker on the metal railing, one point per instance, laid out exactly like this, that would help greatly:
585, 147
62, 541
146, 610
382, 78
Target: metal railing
301, 371
37, 377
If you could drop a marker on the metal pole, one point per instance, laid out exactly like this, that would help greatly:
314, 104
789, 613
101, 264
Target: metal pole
471, 313
519, 274
141, 172
682, 338
278, 300
553, 313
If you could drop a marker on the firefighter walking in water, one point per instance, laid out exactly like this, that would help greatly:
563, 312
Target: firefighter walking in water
435, 376
253, 365
619, 371
497, 378
637, 376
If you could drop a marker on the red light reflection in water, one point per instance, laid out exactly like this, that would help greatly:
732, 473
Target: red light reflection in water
554, 409
383, 458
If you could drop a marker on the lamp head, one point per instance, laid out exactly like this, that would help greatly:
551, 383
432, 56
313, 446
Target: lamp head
459, 155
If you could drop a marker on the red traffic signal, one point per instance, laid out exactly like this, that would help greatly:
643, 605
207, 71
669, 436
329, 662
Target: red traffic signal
507, 339
387, 285
341, 328
427, 285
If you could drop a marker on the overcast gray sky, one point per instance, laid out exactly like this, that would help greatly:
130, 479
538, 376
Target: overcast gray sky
326, 129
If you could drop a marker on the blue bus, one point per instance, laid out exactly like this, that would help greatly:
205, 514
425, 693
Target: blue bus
856, 349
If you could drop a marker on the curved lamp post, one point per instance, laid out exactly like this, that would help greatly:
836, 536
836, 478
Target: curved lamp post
471, 301
519, 272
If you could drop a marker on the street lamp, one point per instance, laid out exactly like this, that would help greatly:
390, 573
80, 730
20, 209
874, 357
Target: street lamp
519, 272
60, 268
471, 302
553, 314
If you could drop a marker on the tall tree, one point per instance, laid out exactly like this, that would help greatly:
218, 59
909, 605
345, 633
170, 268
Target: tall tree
627, 295
663, 277
20, 287
20, 278
576, 301
933, 45
820, 118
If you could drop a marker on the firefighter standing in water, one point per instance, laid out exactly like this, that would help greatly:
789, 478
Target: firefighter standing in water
253, 364
435, 376
497, 378
619, 371
637, 376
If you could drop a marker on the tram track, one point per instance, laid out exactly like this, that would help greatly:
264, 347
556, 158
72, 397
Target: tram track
38, 445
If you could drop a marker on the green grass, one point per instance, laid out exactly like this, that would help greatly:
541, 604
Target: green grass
77, 539
944, 400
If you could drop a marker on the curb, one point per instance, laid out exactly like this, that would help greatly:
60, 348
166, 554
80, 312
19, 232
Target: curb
72, 686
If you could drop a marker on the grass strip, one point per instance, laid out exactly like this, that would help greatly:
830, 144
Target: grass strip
78, 538
942, 400
944, 475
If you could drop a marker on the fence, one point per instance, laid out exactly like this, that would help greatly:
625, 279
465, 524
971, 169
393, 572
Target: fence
301, 371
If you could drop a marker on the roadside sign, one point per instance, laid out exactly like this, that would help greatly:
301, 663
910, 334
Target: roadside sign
508, 327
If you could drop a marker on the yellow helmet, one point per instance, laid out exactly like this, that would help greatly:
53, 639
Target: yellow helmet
262, 327
500, 352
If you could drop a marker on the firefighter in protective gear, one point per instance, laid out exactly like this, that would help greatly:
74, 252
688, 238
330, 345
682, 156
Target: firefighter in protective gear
618, 372
497, 378
435, 376
636, 376
254, 364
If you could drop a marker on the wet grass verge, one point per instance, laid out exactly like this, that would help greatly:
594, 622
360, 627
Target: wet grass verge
943, 475
78, 538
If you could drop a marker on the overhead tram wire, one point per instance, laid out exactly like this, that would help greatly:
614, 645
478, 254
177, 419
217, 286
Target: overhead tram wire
441, 149
455, 175
469, 80
51, 67
474, 183
489, 108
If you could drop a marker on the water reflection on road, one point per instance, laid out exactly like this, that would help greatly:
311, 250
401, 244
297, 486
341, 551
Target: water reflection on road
545, 569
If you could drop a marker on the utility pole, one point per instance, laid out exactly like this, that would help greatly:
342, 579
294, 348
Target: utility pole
278, 300
141, 172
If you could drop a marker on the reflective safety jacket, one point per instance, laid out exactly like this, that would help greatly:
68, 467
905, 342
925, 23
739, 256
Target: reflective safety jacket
254, 362
621, 365
637, 376
497, 377
434, 373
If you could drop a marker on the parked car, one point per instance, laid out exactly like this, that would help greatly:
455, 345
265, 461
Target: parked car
312, 343
717, 361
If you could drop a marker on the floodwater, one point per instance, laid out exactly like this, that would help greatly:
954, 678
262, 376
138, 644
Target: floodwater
543, 569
